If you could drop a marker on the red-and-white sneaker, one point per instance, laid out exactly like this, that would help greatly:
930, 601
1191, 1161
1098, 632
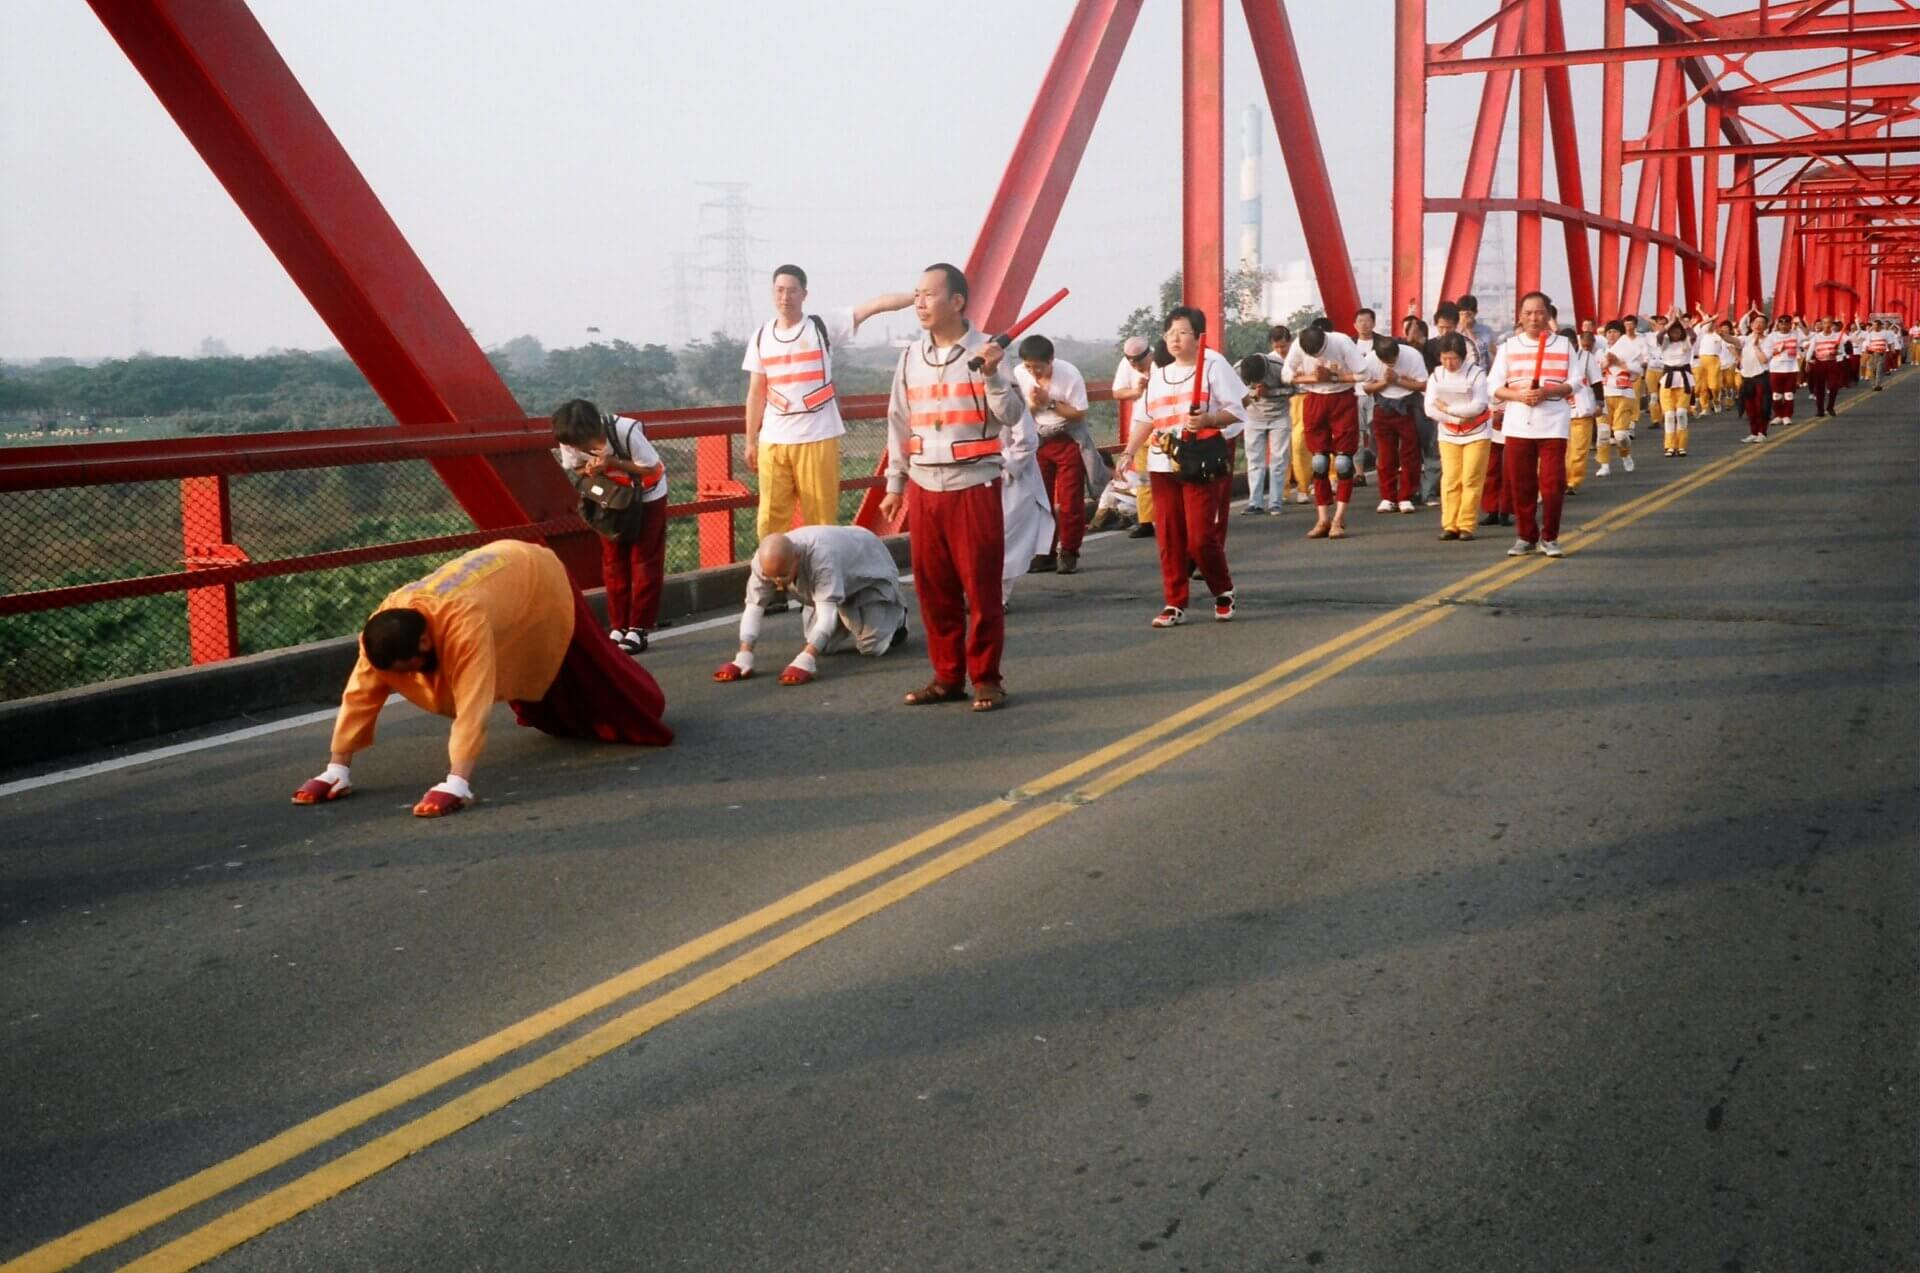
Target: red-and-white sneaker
1171, 617
1223, 606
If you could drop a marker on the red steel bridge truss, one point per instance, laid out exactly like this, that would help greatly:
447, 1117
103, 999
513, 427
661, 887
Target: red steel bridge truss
1758, 111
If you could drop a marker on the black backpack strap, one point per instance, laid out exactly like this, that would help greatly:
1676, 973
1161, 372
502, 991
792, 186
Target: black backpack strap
610, 424
826, 341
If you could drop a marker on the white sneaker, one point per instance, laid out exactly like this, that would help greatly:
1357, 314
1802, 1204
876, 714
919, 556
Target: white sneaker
1551, 548
1521, 548
1301, 497
616, 635
1605, 470
1626, 462
1406, 506
1385, 506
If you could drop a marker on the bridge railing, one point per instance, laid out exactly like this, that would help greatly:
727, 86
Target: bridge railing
127, 557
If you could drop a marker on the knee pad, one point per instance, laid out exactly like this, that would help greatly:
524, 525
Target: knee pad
1320, 465
1342, 465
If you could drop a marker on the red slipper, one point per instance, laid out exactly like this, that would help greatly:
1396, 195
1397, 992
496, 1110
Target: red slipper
438, 804
795, 675
319, 791
731, 672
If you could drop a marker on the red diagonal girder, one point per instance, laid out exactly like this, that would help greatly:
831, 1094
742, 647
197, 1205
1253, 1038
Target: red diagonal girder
218, 74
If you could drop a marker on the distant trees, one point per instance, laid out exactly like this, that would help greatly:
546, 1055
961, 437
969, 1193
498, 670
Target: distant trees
1246, 318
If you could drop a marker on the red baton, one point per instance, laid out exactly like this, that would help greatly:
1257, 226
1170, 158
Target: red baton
1013, 333
1200, 377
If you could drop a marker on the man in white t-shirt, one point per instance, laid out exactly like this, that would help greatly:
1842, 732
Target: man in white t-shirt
793, 412
1069, 462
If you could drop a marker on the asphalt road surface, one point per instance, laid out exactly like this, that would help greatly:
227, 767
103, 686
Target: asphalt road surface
1439, 913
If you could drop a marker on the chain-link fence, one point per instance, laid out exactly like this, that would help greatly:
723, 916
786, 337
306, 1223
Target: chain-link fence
101, 541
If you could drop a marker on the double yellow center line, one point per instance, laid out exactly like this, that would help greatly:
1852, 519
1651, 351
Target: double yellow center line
1000, 822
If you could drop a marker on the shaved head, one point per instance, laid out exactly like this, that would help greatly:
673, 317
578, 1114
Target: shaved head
776, 558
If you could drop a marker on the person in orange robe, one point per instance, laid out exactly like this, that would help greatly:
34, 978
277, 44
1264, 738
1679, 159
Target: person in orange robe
499, 624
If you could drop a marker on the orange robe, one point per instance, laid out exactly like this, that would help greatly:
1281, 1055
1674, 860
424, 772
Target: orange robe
500, 618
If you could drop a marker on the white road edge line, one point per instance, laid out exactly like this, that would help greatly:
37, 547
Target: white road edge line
22, 785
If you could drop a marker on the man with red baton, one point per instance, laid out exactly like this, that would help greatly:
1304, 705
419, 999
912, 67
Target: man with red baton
952, 410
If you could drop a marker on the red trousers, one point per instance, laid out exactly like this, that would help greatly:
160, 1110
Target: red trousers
1537, 469
634, 570
598, 692
1065, 472
958, 540
1783, 386
1823, 378
1330, 426
1190, 524
1396, 444
1495, 496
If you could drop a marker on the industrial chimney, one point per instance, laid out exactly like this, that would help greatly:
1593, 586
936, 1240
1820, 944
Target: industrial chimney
1250, 188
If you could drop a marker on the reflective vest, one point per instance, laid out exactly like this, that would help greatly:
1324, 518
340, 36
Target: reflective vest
800, 381
1534, 362
1877, 345
1826, 348
948, 423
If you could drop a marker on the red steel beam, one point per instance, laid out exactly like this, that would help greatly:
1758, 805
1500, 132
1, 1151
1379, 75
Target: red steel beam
1530, 156
1612, 166
1891, 39
1666, 91
1566, 168
1025, 208
1578, 216
1292, 113
1409, 156
218, 74
1463, 252
1838, 97
1203, 141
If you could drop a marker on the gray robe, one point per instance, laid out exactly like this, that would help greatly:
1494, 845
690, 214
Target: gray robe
846, 568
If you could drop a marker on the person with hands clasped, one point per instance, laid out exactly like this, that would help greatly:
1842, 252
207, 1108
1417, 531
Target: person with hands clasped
1325, 367
1196, 406
1532, 374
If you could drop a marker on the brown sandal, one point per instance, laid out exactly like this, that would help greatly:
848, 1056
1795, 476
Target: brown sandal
934, 692
987, 698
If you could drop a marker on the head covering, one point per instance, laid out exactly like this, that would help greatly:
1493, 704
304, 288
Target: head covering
1135, 346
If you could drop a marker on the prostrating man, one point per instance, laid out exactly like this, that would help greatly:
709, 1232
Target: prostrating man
948, 427
850, 590
1129, 393
498, 624
1325, 366
1532, 374
1395, 372
1070, 464
793, 412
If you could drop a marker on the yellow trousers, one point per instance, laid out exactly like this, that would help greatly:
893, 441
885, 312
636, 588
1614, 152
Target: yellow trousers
1143, 497
1653, 395
1707, 395
806, 472
1579, 447
1463, 472
1620, 418
1675, 399
1301, 462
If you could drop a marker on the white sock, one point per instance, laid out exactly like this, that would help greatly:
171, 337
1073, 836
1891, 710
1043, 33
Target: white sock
455, 785
804, 662
744, 660
336, 776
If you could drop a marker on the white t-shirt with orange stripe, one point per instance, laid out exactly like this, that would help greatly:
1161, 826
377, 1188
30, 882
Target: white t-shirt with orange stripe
796, 367
1170, 397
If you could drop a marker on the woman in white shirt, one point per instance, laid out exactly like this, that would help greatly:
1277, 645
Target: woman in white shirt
1456, 402
1199, 400
1532, 374
1757, 394
1676, 384
1783, 349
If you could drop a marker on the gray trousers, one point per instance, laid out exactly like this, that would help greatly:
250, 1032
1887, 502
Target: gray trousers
868, 619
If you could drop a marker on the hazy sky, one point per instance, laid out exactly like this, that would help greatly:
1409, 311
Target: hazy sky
543, 160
